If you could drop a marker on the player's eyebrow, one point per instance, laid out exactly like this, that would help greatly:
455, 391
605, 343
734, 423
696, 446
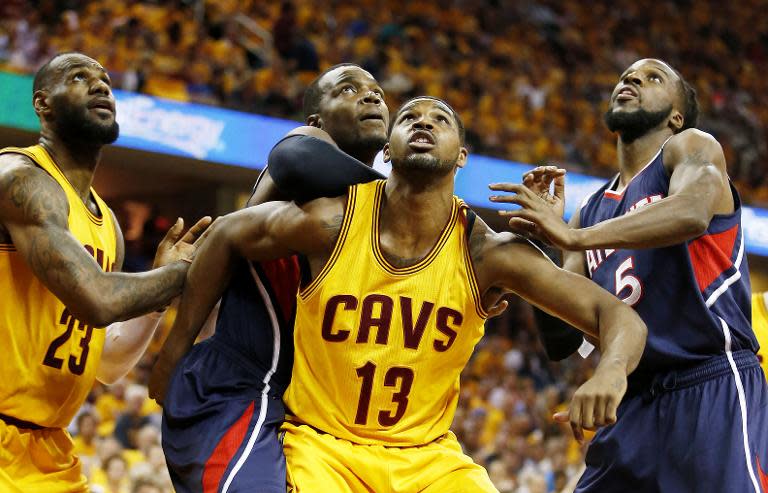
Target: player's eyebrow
69, 66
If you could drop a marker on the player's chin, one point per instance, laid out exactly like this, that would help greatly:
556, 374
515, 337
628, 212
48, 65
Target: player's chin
373, 138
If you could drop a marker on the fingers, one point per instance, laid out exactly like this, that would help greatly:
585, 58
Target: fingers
507, 187
611, 407
599, 411
575, 417
498, 309
521, 226
562, 417
560, 187
195, 231
174, 233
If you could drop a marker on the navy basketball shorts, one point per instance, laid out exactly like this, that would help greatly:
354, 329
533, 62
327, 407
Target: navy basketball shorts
702, 430
220, 429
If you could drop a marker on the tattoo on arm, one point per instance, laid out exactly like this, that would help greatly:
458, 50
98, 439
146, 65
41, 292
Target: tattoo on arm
36, 212
333, 227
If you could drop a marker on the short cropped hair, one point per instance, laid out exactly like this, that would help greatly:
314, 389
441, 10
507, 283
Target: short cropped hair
456, 117
314, 94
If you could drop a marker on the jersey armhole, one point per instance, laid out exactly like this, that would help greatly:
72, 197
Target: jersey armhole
306, 292
470, 217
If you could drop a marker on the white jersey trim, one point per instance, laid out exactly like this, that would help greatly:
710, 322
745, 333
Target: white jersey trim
265, 391
742, 402
735, 277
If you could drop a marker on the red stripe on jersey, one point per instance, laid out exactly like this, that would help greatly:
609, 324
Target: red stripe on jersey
284, 277
711, 255
763, 476
222, 455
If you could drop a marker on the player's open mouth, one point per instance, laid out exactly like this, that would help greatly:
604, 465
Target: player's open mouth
102, 104
421, 141
626, 93
376, 117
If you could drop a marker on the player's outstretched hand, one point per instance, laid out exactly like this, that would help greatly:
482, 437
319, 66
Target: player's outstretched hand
595, 403
540, 179
175, 247
540, 213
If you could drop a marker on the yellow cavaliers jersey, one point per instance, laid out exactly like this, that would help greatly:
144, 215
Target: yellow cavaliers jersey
760, 326
379, 349
49, 358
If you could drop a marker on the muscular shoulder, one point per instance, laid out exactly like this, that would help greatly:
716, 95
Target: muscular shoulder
692, 144
29, 194
488, 248
324, 217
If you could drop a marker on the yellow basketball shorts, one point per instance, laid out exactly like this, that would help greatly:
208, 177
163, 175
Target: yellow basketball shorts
38, 461
321, 463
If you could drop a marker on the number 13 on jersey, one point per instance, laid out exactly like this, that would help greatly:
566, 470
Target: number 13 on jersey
399, 378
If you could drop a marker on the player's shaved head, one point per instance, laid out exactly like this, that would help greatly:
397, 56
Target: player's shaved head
314, 93
62, 61
446, 107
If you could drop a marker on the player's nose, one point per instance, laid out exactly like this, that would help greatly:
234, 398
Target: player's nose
632, 78
100, 87
371, 97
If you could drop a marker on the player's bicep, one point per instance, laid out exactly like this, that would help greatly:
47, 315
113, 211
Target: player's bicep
278, 229
698, 171
35, 212
561, 293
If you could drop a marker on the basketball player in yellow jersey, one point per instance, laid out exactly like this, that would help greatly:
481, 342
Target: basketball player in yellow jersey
59, 246
399, 277
760, 326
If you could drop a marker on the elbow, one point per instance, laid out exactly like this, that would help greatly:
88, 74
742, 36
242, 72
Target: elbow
108, 376
695, 224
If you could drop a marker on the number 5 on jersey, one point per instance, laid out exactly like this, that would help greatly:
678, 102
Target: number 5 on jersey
627, 284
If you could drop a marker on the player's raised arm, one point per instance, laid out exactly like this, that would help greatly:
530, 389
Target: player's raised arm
34, 210
698, 189
264, 232
508, 262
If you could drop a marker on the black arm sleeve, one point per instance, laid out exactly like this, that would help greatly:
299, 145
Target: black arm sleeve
305, 168
559, 338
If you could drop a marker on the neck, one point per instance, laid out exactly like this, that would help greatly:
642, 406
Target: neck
77, 161
633, 156
417, 205
364, 155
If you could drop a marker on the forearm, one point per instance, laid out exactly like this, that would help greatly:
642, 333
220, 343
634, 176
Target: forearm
125, 344
622, 338
206, 281
668, 222
121, 296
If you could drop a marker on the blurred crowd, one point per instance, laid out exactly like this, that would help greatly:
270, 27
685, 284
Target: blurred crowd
531, 78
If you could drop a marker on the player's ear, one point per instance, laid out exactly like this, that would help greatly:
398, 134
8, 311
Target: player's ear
314, 120
462, 159
676, 120
387, 156
40, 103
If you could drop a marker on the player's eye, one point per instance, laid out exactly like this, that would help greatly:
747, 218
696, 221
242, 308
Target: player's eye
442, 119
349, 89
78, 77
654, 78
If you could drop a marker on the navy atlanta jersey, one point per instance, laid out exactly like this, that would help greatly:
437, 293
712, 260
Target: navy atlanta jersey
694, 296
